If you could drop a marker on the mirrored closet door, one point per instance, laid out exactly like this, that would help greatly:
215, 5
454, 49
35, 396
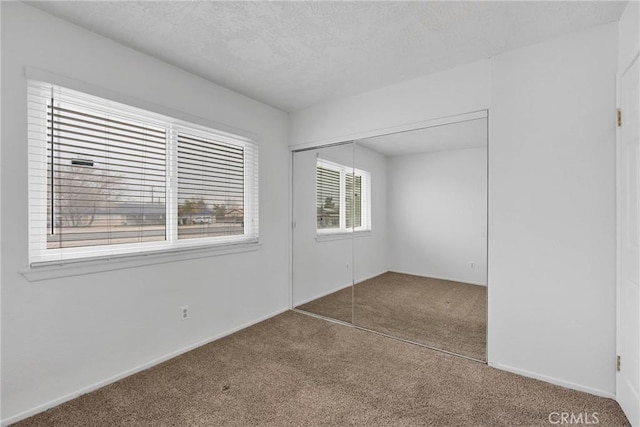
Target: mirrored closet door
421, 274
403, 252
323, 206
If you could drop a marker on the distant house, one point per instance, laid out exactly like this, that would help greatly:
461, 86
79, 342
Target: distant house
140, 213
232, 215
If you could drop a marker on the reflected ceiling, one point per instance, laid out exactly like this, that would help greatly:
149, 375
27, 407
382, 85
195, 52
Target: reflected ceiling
455, 136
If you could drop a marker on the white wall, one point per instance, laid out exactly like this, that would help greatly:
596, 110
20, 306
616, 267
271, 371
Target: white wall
551, 193
552, 210
628, 34
60, 336
438, 203
324, 266
459, 90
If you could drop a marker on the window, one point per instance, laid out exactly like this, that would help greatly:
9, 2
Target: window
342, 198
108, 179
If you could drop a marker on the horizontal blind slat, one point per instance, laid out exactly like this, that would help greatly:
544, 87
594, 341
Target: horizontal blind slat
104, 142
75, 122
111, 120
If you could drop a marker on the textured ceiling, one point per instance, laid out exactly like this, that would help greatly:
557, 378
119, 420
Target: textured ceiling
455, 136
295, 54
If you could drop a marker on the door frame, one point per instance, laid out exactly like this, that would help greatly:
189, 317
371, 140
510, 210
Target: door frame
627, 65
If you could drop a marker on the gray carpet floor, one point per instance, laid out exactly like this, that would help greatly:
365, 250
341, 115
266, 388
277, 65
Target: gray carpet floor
444, 314
297, 370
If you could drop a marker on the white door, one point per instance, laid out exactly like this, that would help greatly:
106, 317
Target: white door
628, 379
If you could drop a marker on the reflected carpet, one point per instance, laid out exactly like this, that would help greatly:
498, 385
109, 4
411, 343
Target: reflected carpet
444, 314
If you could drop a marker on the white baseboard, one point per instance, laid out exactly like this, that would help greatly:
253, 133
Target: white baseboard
552, 380
60, 400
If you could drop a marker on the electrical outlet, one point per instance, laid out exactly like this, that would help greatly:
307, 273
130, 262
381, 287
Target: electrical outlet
184, 312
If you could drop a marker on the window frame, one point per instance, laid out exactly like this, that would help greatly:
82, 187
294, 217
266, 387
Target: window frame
365, 221
40, 255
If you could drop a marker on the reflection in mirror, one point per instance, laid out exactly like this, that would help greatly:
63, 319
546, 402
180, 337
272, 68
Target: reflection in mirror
324, 214
420, 273
404, 217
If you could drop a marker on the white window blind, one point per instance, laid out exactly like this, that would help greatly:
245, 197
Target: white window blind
328, 198
108, 179
353, 200
213, 179
343, 202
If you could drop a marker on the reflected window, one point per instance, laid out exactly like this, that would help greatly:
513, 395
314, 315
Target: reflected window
342, 198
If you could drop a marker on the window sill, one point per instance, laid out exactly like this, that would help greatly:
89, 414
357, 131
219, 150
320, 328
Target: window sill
98, 265
328, 237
